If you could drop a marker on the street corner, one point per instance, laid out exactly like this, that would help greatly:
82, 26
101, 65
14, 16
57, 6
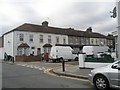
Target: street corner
56, 71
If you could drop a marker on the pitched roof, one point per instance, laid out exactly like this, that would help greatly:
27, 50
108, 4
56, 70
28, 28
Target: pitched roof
54, 30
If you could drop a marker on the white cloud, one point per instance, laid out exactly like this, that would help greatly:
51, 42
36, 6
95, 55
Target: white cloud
77, 14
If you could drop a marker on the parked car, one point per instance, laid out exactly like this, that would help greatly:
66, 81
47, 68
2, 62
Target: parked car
106, 77
59, 53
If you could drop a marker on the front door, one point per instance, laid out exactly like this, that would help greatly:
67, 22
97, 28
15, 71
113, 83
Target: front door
38, 51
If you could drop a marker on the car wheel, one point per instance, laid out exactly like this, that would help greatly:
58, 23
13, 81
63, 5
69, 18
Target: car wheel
101, 83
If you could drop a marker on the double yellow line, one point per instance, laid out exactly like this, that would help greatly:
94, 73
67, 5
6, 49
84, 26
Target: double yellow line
47, 71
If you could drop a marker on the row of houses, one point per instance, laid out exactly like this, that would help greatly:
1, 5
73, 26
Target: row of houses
34, 39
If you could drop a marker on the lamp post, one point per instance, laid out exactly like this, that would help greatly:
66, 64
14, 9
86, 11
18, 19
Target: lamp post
118, 26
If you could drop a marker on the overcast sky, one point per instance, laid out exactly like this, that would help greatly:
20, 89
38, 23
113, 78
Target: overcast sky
77, 14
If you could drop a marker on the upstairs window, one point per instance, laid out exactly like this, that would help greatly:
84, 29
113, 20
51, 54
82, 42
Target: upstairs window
31, 38
41, 38
21, 37
64, 40
49, 39
57, 40
92, 41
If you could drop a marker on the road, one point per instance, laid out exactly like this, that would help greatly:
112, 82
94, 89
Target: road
15, 76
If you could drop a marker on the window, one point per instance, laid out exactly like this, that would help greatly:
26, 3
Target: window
87, 41
111, 42
92, 41
41, 38
49, 39
31, 38
23, 51
104, 42
21, 37
57, 39
64, 40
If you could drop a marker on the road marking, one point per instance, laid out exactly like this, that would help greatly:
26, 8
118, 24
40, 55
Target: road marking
40, 69
47, 71
32, 66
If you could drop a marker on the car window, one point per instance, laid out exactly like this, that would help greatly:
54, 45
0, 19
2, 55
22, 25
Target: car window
116, 65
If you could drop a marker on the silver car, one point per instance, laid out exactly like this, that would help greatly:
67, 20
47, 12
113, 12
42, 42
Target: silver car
106, 77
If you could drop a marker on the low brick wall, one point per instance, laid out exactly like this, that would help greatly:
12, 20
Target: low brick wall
28, 58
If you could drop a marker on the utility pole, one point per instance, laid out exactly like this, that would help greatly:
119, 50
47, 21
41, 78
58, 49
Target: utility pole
116, 14
118, 26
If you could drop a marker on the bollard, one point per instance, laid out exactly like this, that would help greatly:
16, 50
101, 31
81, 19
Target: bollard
63, 65
13, 60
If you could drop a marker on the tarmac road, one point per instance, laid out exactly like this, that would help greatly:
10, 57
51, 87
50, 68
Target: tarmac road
15, 76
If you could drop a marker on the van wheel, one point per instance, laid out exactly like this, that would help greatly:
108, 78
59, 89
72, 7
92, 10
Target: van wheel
101, 82
76, 59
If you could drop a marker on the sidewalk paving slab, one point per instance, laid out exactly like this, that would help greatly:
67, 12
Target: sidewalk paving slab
73, 71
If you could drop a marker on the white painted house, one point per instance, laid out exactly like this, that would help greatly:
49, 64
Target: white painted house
29, 39
33, 39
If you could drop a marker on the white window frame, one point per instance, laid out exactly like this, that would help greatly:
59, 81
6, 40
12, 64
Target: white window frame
21, 37
49, 39
41, 39
31, 37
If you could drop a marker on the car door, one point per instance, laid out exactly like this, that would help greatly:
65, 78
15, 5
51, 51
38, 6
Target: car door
114, 74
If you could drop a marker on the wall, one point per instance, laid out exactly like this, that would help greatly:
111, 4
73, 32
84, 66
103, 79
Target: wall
78, 40
97, 41
1, 53
36, 43
83, 64
1, 42
94, 65
8, 43
28, 58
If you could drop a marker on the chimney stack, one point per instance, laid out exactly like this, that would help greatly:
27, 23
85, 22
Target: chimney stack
89, 29
45, 24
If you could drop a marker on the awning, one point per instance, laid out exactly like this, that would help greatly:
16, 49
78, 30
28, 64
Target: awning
23, 45
47, 45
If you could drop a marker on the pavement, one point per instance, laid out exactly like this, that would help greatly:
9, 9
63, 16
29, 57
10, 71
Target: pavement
70, 70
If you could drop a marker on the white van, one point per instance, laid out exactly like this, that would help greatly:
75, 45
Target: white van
58, 53
94, 50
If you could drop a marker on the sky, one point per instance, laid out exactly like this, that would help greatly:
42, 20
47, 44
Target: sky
77, 14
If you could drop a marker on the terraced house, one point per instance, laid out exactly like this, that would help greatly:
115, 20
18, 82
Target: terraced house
34, 39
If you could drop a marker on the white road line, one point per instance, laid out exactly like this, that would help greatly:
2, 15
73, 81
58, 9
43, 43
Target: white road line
24, 65
32, 66
40, 69
43, 68
36, 67
28, 66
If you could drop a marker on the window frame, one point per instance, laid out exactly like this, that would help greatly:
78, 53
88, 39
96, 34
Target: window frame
31, 38
41, 40
21, 37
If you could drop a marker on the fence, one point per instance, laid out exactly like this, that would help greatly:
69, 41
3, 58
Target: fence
103, 60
